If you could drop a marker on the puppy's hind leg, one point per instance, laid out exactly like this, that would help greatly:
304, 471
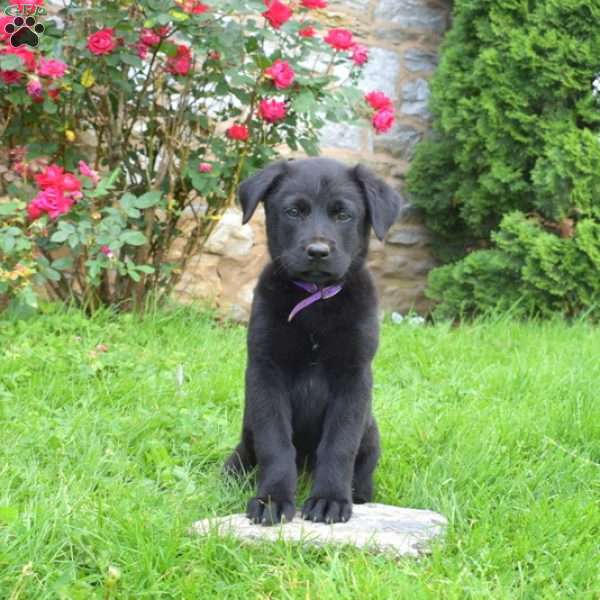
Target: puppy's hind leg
364, 467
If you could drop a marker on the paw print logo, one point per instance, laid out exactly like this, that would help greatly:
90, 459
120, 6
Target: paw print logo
24, 31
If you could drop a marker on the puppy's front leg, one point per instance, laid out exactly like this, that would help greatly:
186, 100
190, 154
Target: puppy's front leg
269, 417
330, 500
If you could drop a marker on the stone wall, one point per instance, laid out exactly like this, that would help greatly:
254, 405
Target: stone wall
403, 37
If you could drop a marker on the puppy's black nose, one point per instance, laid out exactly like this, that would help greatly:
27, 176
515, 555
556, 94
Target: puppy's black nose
318, 250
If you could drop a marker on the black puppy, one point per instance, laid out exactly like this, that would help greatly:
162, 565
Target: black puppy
312, 335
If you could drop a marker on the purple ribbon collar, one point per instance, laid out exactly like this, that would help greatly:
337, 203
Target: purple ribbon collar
316, 292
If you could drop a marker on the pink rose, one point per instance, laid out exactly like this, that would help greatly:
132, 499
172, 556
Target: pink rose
272, 110
360, 54
383, 120
181, 63
4, 21
25, 5
307, 32
277, 13
141, 49
51, 67
51, 201
34, 88
238, 132
340, 39
149, 37
378, 100
281, 73
107, 251
311, 4
102, 42
86, 171
204, 167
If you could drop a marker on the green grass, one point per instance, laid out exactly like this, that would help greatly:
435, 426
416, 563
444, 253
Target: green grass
105, 461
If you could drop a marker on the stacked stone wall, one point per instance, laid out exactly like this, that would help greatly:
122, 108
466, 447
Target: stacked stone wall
404, 38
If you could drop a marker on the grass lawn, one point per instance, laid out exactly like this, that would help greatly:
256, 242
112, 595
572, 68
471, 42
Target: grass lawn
105, 461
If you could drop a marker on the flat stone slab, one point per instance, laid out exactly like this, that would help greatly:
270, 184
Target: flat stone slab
378, 527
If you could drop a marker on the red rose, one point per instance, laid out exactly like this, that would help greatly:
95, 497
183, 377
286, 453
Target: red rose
205, 167
192, 7
271, 110
181, 63
34, 211
277, 13
314, 3
360, 54
10, 77
70, 183
102, 42
238, 132
307, 32
383, 120
51, 176
340, 39
281, 73
378, 100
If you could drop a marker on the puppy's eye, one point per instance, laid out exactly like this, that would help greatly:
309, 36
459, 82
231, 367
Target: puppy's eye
292, 211
343, 216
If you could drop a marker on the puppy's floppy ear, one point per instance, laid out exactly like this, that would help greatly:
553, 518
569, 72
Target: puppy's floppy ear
383, 203
257, 187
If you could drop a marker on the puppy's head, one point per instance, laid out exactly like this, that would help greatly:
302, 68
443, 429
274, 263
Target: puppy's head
318, 215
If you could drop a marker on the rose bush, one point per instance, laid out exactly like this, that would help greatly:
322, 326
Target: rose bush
131, 117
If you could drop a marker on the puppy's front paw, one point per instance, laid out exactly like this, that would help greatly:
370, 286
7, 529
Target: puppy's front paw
267, 511
326, 510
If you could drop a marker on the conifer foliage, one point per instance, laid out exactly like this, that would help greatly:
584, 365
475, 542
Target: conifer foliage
509, 180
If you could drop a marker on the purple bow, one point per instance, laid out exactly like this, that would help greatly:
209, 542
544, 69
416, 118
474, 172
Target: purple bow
317, 293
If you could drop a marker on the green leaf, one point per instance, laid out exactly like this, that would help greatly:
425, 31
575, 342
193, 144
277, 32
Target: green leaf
147, 200
105, 184
310, 147
131, 59
10, 62
304, 102
145, 268
133, 238
8, 208
50, 107
60, 236
63, 263
52, 274
7, 243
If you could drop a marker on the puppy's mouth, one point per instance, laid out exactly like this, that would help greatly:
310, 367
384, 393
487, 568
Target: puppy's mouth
320, 277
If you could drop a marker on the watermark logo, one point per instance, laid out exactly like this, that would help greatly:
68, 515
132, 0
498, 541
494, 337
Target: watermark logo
24, 30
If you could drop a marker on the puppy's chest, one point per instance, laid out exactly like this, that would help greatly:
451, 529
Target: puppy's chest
309, 394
